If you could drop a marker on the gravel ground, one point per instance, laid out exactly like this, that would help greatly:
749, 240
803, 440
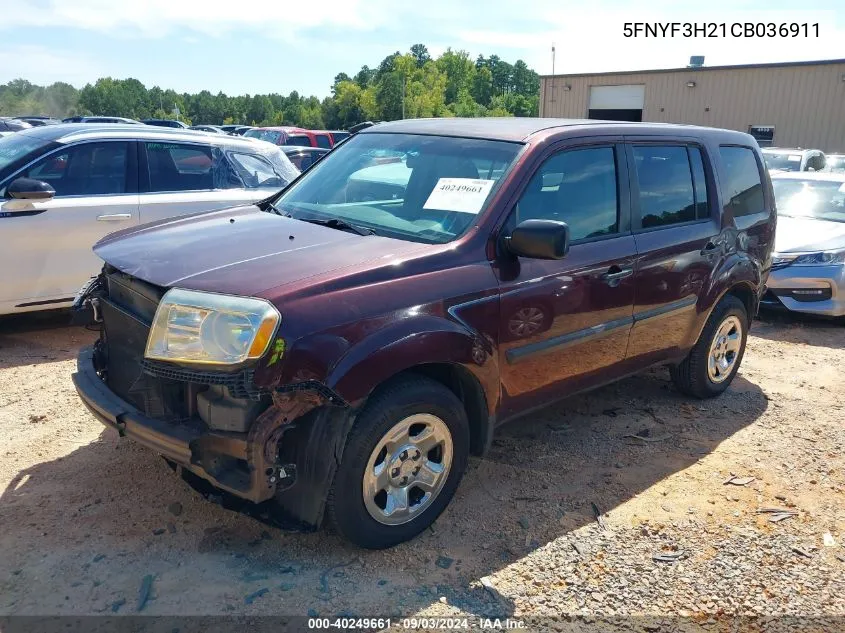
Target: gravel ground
90, 523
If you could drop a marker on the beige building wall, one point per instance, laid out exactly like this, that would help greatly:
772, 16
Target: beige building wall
805, 103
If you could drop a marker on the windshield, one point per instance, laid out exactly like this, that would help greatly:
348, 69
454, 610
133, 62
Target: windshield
16, 147
836, 163
784, 161
271, 136
418, 188
819, 199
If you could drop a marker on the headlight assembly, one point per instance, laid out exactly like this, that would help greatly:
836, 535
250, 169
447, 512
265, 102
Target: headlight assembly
212, 329
820, 259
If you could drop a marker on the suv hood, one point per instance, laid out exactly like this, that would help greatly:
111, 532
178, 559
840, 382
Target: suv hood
806, 235
242, 251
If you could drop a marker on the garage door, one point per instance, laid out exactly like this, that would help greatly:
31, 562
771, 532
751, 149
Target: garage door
617, 103
631, 97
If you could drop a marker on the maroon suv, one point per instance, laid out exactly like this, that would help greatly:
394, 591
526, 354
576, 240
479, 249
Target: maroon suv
338, 350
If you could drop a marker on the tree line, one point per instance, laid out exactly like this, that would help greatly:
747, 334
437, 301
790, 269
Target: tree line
408, 85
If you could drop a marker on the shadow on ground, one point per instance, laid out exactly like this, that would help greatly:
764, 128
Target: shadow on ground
800, 328
39, 337
81, 532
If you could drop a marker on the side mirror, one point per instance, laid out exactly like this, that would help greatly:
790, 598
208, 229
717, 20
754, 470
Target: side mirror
29, 189
539, 239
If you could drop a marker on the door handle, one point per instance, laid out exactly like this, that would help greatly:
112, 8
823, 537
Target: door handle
709, 248
114, 217
615, 274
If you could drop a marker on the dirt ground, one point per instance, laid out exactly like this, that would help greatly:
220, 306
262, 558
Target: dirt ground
86, 517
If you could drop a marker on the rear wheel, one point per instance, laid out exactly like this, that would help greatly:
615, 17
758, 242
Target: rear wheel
714, 360
402, 463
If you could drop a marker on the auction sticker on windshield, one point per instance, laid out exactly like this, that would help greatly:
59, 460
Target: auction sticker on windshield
464, 195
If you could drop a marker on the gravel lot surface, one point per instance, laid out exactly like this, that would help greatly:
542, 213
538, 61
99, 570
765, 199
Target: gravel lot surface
90, 523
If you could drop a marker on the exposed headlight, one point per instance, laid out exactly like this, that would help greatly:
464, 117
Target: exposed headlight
201, 327
820, 259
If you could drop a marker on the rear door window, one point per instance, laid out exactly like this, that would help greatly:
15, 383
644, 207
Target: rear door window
664, 179
323, 141
298, 139
743, 192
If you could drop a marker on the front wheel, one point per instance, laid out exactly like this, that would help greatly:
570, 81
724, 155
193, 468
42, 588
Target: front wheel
402, 463
714, 360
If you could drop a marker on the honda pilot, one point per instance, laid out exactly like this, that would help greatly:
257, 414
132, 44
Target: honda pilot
338, 353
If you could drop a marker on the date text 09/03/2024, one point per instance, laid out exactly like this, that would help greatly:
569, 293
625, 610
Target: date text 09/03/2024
415, 624
720, 29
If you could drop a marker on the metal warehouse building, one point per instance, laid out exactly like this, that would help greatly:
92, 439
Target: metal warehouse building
798, 104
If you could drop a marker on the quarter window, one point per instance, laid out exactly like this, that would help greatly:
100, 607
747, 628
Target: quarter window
256, 171
743, 193
666, 193
577, 187
176, 167
90, 169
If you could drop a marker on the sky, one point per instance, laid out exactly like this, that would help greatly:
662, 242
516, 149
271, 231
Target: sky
262, 46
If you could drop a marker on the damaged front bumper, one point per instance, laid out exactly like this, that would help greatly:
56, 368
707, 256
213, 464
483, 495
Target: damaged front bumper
247, 465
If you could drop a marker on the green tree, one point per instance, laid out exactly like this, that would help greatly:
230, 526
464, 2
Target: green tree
420, 54
338, 78
460, 72
365, 76
482, 85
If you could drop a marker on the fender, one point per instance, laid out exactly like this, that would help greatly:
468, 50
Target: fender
736, 269
409, 343
373, 360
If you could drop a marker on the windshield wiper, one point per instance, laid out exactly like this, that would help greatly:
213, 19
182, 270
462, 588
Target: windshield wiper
341, 225
266, 205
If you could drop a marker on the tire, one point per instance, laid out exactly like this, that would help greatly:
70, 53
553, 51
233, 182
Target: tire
418, 403
694, 376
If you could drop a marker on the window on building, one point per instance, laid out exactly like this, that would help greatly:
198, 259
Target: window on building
763, 134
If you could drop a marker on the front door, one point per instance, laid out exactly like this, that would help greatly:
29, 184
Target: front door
677, 233
46, 253
565, 323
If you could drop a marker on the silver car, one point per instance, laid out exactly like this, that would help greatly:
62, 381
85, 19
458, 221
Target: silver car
808, 263
793, 159
64, 187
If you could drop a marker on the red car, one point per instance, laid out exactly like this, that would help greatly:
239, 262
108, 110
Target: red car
289, 135
341, 348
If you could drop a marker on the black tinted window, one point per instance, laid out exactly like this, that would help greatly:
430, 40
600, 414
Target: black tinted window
175, 167
665, 183
89, 169
702, 203
323, 141
577, 187
303, 141
743, 192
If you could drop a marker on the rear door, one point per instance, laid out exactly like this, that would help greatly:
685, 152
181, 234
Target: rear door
48, 243
565, 323
181, 178
676, 226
